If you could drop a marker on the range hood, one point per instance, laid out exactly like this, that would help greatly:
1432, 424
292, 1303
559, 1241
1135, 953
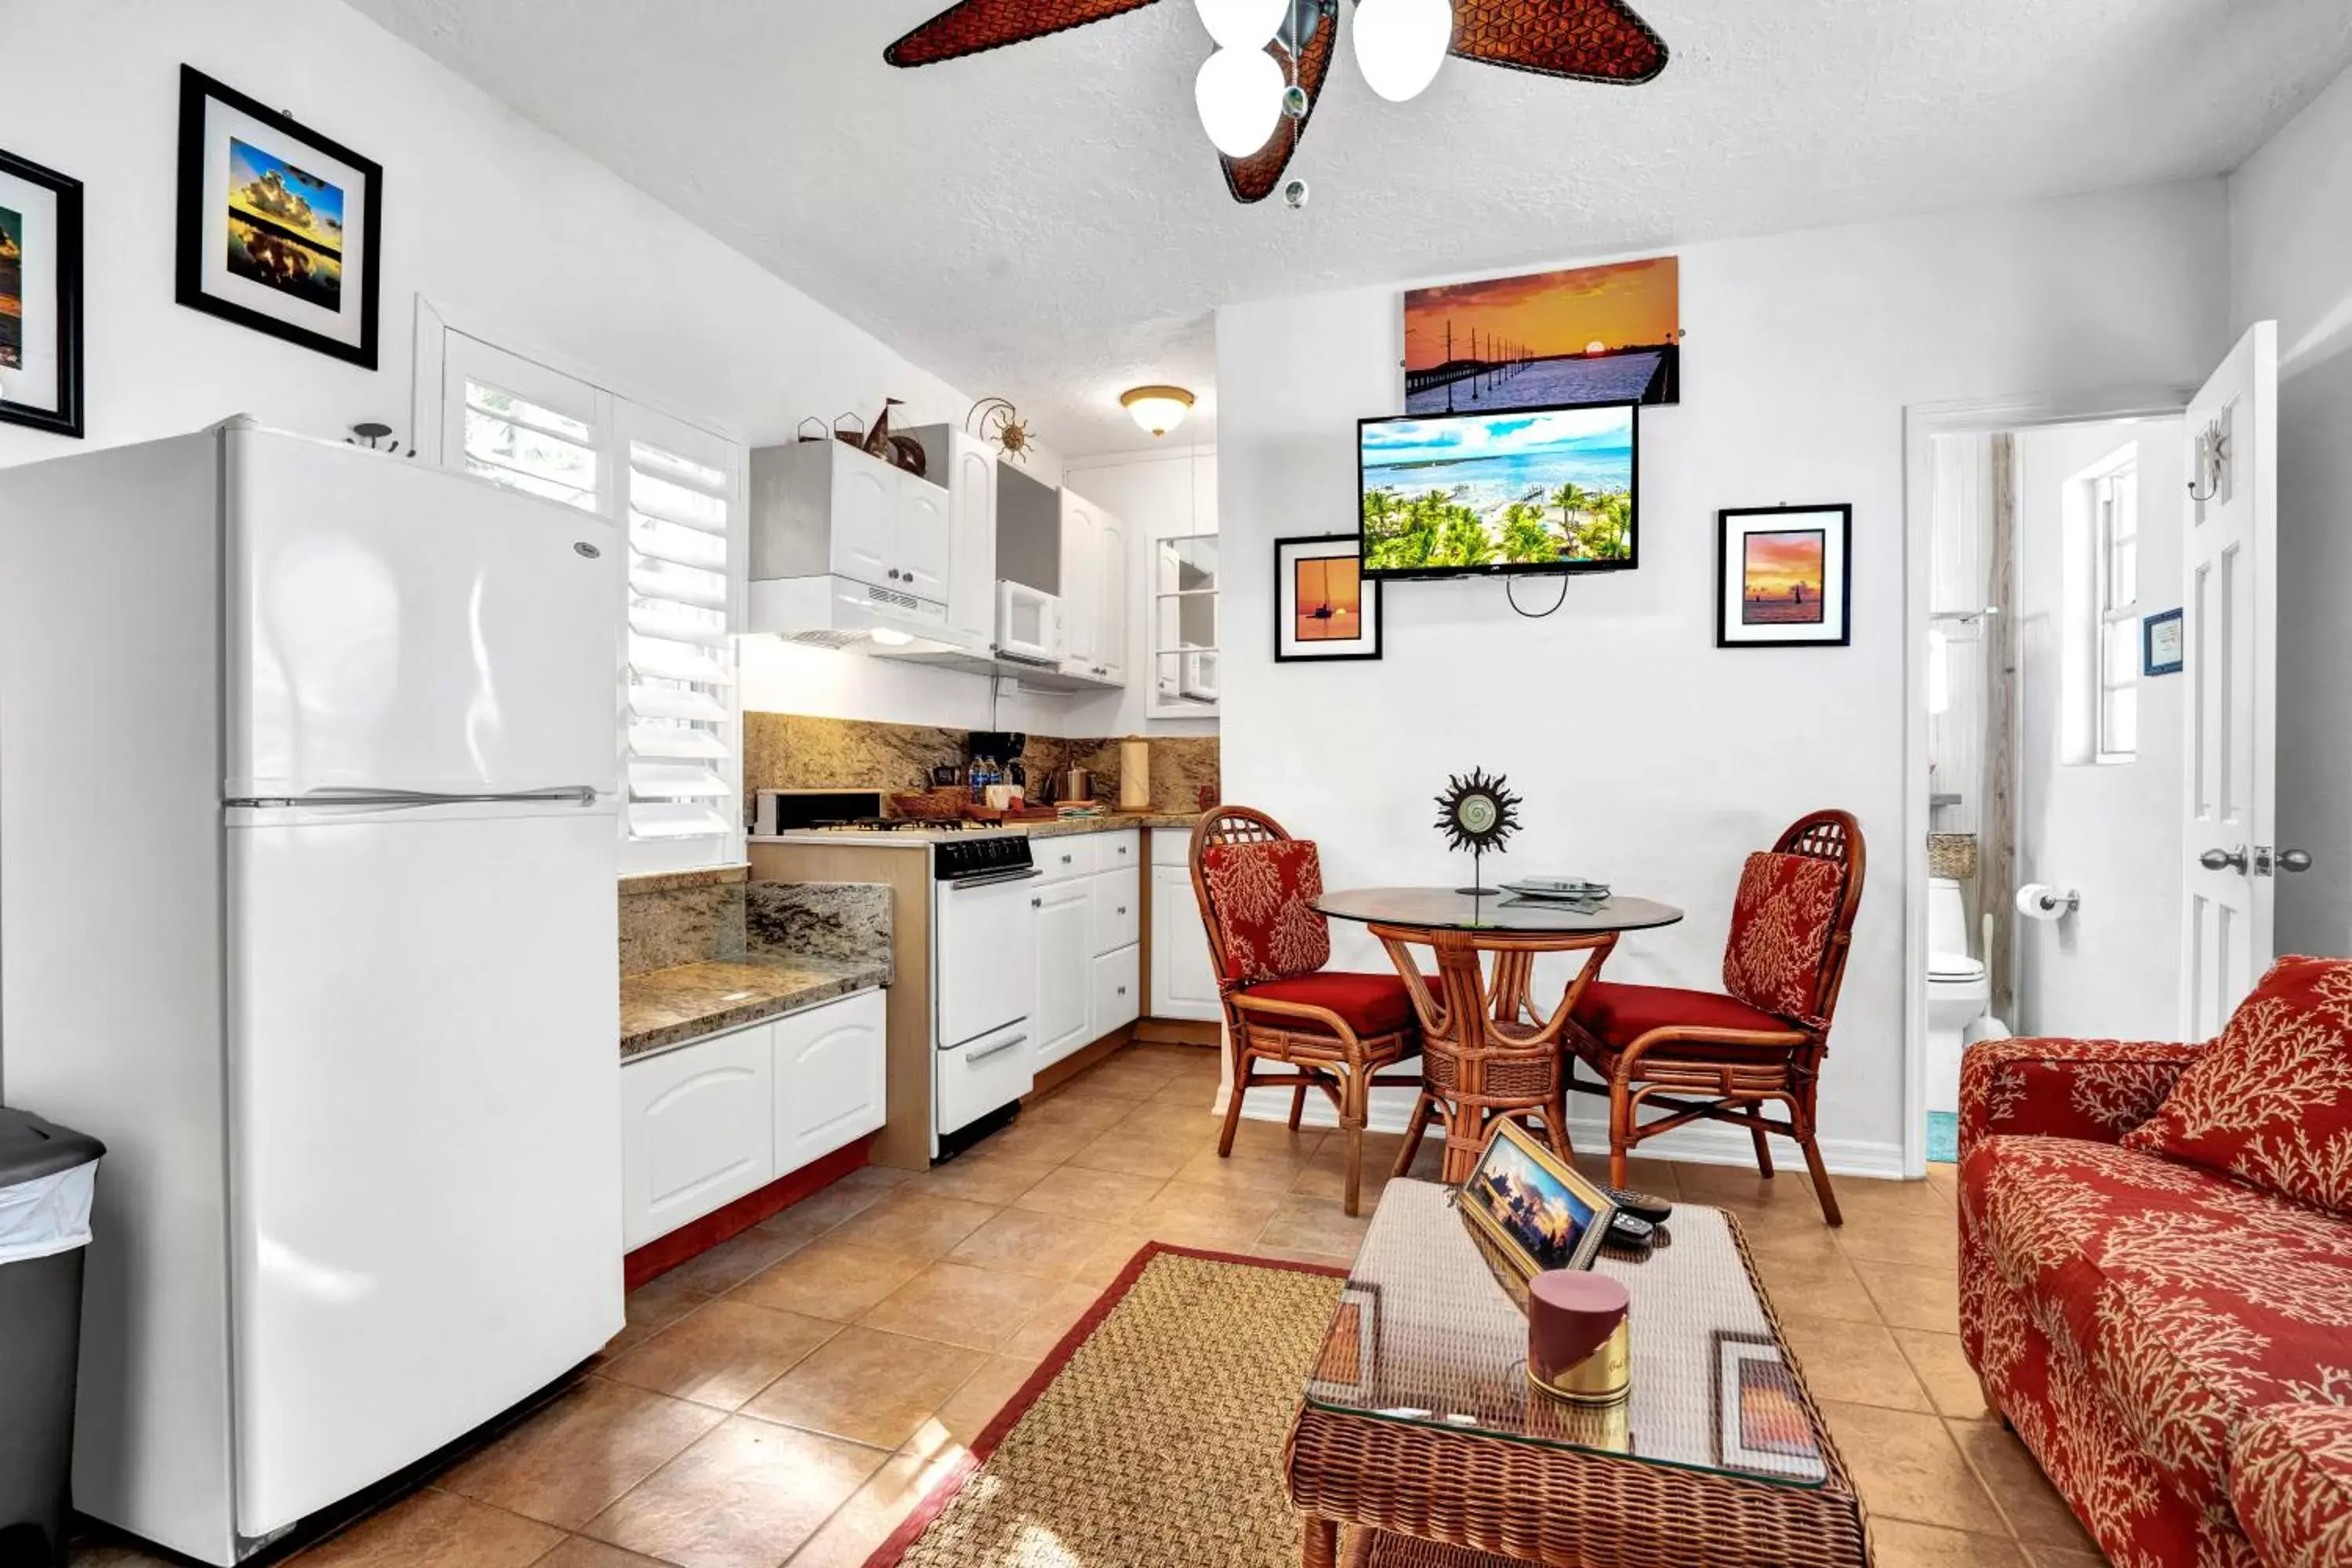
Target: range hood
842, 613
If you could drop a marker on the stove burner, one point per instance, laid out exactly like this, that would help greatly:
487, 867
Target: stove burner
903, 825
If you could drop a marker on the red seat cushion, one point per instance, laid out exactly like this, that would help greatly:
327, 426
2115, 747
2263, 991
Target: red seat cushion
1781, 923
1618, 1015
2290, 1483
1370, 1004
2270, 1102
1266, 921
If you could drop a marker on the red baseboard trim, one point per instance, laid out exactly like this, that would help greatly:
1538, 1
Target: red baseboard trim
911, 1527
663, 1253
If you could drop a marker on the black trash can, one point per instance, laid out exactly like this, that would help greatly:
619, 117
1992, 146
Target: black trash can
46, 1176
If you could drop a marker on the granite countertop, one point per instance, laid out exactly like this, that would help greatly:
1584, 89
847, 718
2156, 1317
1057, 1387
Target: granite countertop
917, 839
1109, 821
669, 1007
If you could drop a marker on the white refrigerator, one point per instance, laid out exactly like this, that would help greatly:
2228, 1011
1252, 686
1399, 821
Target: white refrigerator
309, 763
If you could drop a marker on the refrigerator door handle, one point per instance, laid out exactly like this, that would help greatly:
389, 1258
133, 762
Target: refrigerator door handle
578, 795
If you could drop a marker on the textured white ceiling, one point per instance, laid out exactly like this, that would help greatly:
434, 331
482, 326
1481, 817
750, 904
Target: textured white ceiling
1048, 222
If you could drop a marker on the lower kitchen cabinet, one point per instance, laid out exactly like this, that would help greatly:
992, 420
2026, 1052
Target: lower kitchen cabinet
1183, 980
1119, 987
1089, 928
705, 1123
1066, 951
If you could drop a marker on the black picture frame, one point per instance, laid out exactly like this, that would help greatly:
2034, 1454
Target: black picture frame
2152, 663
65, 417
1728, 636
1340, 546
1633, 560
195, 229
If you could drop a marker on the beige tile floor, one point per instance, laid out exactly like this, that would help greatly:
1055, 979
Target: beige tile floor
788, 1396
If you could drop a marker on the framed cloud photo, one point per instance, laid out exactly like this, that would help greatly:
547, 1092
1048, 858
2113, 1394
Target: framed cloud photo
1782, 577
40, 298
280, 227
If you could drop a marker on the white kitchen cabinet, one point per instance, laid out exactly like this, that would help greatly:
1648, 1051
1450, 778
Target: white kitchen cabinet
1117, 908
1111, 598
1119, 989
697, 1130
926, 538
1081, 587
971, 512
825, 509
1184, 980
1065, 952
829, 1079
704, 1122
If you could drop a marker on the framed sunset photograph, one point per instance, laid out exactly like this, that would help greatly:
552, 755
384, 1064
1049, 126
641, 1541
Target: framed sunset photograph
1325, 606
40, 298
1609, 333
279, 228
1782, 577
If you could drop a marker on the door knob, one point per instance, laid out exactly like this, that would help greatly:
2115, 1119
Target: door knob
2224, 859
2295, 860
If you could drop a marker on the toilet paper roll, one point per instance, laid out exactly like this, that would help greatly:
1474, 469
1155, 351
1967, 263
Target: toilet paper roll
2041, 901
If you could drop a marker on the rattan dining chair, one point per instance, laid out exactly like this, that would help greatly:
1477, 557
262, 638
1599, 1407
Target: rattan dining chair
1333, 1028
1726, 1056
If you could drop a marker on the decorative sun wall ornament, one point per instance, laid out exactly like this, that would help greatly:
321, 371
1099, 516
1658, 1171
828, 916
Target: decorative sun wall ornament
1477, 813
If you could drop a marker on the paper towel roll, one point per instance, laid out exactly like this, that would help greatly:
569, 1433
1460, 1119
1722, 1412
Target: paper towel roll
2041, 901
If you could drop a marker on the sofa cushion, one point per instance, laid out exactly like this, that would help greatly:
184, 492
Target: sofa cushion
2271, 1102
1780, 926
1264, 895
2290, 1483
1370, 1004
1618, 1015
2191, 1299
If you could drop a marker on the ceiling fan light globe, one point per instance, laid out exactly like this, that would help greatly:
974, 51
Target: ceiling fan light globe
1400, 44
1242, 24
1239, 95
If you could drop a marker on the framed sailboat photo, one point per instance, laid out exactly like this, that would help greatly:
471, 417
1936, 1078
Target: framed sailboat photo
1782, 578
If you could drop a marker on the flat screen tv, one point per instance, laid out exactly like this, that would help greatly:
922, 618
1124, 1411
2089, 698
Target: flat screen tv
1529, 489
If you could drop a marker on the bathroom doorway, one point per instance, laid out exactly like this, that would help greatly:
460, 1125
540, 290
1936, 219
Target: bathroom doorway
2051, 792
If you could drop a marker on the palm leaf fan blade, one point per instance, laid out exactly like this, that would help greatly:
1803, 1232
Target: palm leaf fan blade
1582, 40
975, 26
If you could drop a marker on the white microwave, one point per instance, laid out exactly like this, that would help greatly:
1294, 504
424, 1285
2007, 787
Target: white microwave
1028, 623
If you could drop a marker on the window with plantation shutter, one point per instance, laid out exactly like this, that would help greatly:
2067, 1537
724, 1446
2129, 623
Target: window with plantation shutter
675, 492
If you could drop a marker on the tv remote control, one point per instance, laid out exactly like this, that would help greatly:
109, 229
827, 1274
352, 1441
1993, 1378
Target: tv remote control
1641, 1205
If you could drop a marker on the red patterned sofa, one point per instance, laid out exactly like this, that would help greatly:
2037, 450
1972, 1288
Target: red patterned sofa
2155, 1276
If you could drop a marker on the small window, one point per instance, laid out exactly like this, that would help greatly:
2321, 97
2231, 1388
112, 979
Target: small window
1184, 626
2102, 662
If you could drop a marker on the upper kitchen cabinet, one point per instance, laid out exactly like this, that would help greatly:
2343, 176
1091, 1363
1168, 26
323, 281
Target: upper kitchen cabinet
843, 543
1093, 592
966, 465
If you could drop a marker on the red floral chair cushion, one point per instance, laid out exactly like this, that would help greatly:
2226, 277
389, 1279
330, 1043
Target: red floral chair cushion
1780, 925
1268, 930
2291, 1482
2270, 1102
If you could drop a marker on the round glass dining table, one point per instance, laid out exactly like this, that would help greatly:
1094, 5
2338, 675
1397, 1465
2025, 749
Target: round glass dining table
1487, 1049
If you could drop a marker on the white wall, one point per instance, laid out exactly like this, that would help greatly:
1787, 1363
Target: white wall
1649, 757
509, 232
2291, 259
1159, 495
2112, 969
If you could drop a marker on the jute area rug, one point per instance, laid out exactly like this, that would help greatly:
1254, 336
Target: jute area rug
1152, 1437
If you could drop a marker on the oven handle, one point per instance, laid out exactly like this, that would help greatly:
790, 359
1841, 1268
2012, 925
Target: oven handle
974, 1059
991, 878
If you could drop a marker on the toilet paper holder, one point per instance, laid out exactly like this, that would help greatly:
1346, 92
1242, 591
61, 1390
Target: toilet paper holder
2034, 897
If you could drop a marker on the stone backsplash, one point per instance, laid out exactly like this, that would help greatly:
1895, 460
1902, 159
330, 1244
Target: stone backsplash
681, 917
674, 918
791, 750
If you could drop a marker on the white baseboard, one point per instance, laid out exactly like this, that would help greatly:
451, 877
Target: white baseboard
1708, 1145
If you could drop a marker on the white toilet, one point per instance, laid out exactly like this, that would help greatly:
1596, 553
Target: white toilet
1958, 994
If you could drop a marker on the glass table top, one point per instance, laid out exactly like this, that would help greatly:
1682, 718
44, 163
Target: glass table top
1444, 909
1428, 1331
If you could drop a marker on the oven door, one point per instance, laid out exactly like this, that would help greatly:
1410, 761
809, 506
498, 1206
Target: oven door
984, 955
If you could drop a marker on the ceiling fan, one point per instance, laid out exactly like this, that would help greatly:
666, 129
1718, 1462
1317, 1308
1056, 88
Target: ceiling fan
1257, 92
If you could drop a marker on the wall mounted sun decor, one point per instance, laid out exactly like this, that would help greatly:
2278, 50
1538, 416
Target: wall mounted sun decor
1477, 813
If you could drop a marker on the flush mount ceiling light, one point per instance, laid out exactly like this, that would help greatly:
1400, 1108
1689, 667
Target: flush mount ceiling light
1157, 409
1256, 114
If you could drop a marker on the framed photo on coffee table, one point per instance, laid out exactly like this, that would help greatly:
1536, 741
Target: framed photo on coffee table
1539, 1211
280, 228
40, 296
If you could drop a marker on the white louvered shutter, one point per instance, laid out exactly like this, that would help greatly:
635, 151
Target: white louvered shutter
519, 424
681, 504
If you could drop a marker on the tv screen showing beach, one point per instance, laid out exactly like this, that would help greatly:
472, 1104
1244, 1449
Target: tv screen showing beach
1530, 490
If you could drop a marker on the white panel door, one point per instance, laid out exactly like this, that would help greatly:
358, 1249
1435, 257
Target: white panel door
1183, 981
423, 1104
925, 542
829, 1079
864, 517
698, 1131
394, 626
1065, 968
2231, 627
1111, 601
1081, 585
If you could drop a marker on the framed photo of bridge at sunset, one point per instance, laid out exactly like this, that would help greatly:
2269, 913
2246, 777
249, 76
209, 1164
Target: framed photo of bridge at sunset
1782, 577
1611, 334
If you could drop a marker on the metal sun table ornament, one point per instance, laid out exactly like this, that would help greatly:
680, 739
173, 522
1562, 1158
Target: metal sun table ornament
1477, 813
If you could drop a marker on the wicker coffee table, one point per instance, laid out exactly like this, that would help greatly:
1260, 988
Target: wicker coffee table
1419, 1425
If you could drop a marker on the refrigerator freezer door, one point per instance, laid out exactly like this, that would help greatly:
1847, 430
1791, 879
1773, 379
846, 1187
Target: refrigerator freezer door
394, 626
424, 1094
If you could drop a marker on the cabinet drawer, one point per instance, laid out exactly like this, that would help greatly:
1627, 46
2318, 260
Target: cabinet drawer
1171, 846
829, 1079
697, 1130
1064, 856
1120, 851
1118, 909
976, 1077
1119, 987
